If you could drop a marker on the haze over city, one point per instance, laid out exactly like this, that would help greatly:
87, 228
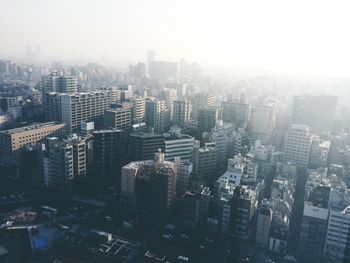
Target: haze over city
286, 37
179, 131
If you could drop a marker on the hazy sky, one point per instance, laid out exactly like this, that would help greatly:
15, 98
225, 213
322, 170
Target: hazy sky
280, 35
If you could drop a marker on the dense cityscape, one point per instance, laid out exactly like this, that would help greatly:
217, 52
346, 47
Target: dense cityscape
160, 160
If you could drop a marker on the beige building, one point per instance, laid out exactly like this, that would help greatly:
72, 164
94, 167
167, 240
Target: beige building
12, 142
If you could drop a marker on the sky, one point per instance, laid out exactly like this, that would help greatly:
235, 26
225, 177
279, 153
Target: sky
278, 35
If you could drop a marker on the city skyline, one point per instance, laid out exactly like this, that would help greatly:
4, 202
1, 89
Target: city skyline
283, 38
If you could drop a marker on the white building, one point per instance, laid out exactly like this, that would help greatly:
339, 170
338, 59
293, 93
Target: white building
297, 145
178, 145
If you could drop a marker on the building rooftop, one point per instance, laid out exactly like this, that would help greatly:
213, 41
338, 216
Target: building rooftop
31, 127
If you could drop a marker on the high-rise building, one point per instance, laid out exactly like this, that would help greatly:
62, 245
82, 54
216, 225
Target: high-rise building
138, 109
143, 145
207, 118
178, 145
160, 179
314, 224
55, 82
118, 118
184, 170
157, 116
74, 108
58, 164
297, 145
236, 112
204, 164
263, 122
182, 113
66, 162
202, 100
14, 141
109, 156
169, 96
316, 111
164, 184
337, 245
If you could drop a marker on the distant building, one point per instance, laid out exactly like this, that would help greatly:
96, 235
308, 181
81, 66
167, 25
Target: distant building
263, 122
182, 113
236, 112
207, 118
297, 145
316, 111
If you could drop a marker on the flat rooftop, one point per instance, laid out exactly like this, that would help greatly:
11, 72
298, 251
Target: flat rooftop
31, 127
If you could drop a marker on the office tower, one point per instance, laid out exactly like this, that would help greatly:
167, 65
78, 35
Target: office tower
263, 122
319, 153
169, 96
184, 170
204, 164
236, 112
297, 145
54, 82
138, 109
136, 72
337, 245
72, 109
157, 116
14, 141
58, 165
164, 183
109, 155
182, 113
202, 100
207, 118
222, 143
163, 70
178, 145
316, 111
143, 145
118, 118
314, 224
263, 225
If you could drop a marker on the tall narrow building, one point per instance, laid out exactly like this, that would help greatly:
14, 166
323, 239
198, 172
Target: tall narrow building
157, 115
109, 156
297, 145
182, 113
